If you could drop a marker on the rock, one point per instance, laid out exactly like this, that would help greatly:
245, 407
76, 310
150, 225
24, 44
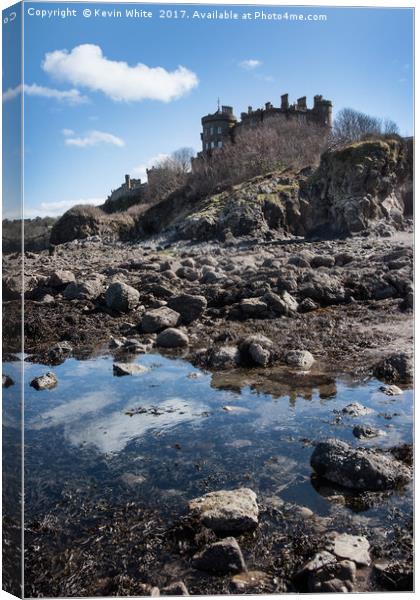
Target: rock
299, 261
322, 261
323, 288
300, 359
221, 557
395, 368
283, 304
188, 262
256, 350
352, 547
59, 352
172, 338
115, 343
320, 560
394, 575
121, 297
227, 510
303, 512
178, 588
356, 410
343, 258
360, 186
61, 278
358, 468
307, 305
188, 273
253, 308
224, 357
323, 573
158, 319
7, 381
44, 382
366, 432
210, 277
252, 582
89, 289
190, 307
121, 369
391, 390
259, 355
47, 299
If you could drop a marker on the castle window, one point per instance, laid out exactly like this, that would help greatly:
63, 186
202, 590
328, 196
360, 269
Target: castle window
211, 130
219, 130
212, 144
220, 144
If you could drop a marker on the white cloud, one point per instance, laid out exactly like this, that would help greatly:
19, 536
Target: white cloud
56, 209
92, 138
140, 170
69, 96
86, 66
250, 64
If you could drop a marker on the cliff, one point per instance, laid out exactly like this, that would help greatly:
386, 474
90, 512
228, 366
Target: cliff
365, 186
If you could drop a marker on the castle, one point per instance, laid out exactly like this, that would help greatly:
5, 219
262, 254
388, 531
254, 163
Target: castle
222, 126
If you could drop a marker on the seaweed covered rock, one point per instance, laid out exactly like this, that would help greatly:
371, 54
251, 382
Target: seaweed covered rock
363, 469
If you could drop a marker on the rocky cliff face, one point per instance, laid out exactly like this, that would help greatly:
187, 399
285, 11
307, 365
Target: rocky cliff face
265, 203
364, 186
358, 187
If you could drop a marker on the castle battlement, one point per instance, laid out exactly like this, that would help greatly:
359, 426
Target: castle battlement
223, 126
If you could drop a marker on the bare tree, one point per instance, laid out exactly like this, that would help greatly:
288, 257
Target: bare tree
169, 174
273, 146
351, 126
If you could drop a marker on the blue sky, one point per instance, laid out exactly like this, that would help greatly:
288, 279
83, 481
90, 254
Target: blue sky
91, 115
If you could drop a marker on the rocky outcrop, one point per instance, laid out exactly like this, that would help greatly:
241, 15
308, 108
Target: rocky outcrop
365, 185
359, 186
82, 222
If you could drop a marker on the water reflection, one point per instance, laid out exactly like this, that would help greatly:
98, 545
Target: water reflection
173, 432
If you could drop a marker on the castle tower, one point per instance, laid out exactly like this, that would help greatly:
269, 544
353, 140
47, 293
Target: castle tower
217, 128
322, 111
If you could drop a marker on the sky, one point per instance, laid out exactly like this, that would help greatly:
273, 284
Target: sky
109, 95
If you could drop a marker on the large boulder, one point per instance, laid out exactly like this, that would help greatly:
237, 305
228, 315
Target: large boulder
121, 297
61, 278
158, 319
227, 510
89, 289
361, 469
395, 368
189, 306
172, 338
281, 304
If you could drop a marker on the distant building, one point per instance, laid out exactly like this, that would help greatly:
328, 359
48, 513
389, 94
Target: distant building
132, 191
222, 126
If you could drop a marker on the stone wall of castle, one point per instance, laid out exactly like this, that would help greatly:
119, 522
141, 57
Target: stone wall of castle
222, 126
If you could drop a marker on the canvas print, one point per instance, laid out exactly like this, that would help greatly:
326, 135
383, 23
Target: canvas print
207, 299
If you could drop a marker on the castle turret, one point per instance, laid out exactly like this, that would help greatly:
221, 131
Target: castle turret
322, 111
217, 128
